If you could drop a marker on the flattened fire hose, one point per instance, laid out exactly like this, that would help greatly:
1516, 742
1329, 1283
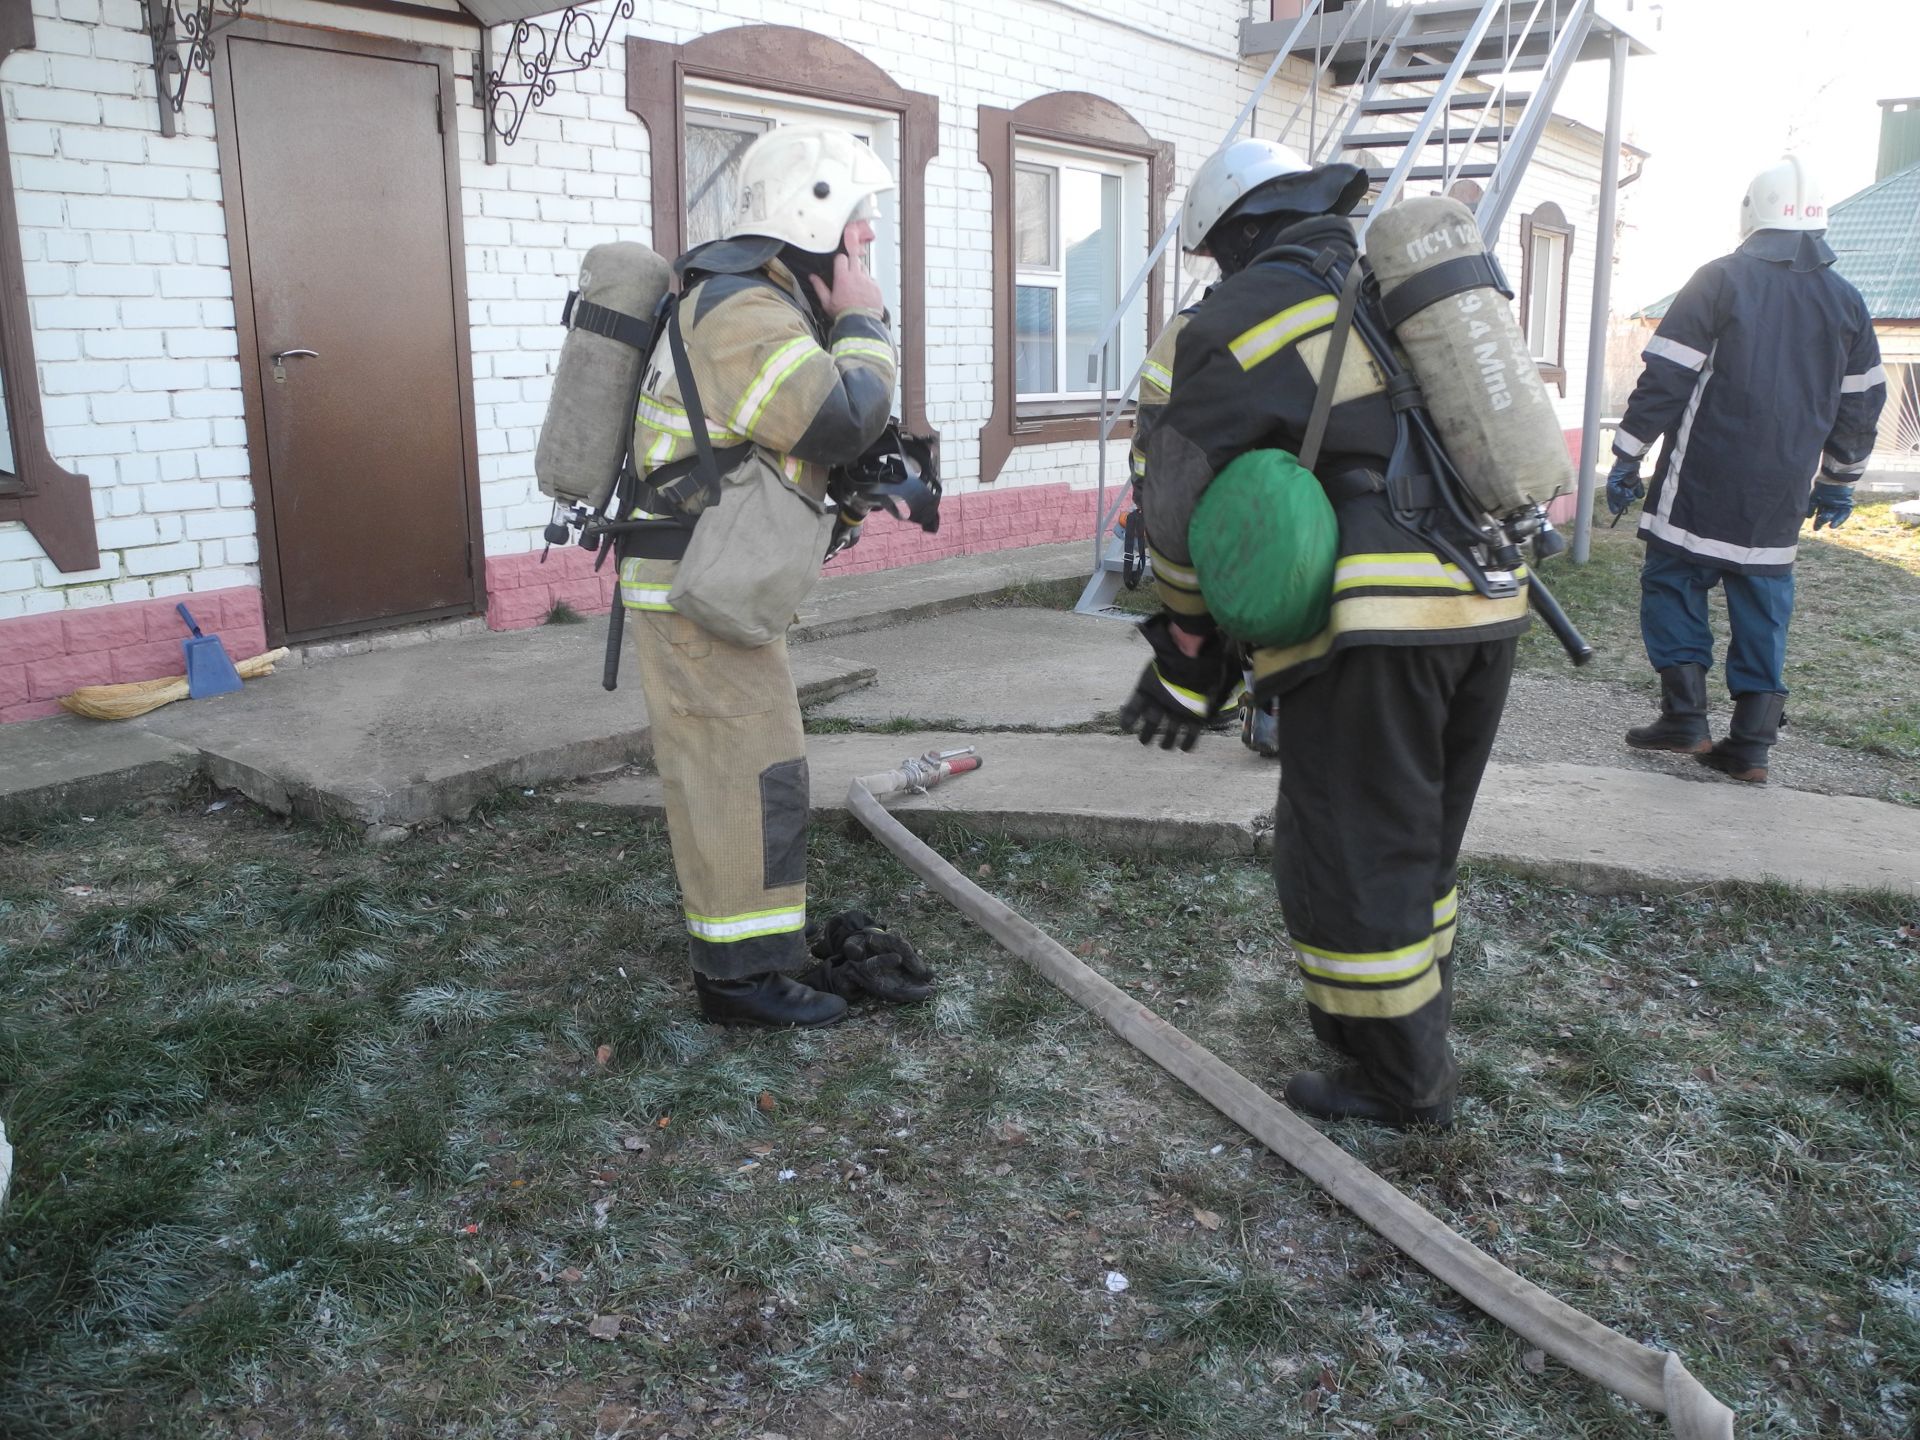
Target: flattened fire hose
1654, 1379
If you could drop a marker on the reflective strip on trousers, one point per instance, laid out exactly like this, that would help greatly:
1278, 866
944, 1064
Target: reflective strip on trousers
1383, 985
638, 594
729, 929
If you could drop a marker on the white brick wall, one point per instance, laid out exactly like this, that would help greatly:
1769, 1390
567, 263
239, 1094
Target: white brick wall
123, 238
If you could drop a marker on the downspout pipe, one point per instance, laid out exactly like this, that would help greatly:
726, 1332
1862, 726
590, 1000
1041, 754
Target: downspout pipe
1602, 302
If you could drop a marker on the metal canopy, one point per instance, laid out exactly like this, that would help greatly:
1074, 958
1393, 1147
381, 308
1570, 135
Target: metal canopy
508, 12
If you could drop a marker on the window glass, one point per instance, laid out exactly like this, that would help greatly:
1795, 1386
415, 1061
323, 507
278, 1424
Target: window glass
1035, 363
1090, 226
715, 144
1077, 228
1033, 216
1543, 298
8, 467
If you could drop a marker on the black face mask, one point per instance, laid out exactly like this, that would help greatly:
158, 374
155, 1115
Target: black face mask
1237, 239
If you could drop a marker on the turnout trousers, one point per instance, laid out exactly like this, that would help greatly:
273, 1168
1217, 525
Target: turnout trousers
1381, 755
732, 758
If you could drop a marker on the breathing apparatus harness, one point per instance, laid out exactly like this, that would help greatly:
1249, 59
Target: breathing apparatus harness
652, 516
1424, 490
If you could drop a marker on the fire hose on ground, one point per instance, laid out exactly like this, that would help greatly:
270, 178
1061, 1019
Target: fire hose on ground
1654, 1379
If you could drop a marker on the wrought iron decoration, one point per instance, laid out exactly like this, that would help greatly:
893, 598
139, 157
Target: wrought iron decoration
535, 56
182, 36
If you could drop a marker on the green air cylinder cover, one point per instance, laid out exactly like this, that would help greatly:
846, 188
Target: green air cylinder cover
1264, 540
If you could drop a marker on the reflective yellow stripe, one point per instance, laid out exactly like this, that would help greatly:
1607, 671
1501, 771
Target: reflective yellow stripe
781, 364
1379, 967
1155, 374
639, 594
668, 418
1191, 699
1374, 1003
1359, 613
1165, 569
1275, 333
1412, 569
857, 349
1446, 908
749, 925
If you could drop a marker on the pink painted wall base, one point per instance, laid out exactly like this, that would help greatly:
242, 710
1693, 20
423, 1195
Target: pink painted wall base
43, 657
522, 589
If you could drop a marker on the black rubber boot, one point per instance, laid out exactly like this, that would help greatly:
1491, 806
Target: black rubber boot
1754, 732
1682, 724
1344, 1094
772, 1001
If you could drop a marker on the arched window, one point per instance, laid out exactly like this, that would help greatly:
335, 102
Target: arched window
1546, 265
1078, 186
705, 101
56, 506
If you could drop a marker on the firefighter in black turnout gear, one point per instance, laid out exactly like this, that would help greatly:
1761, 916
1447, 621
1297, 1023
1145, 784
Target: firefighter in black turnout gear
1388, 714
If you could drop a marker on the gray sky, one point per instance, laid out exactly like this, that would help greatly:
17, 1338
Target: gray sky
1733, 84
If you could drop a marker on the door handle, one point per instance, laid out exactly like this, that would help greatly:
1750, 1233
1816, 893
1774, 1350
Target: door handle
280, 357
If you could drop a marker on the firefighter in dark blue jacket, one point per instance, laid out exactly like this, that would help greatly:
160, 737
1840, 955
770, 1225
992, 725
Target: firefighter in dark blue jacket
1764, 372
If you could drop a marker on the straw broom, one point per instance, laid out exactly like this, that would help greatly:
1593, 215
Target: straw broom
123, 702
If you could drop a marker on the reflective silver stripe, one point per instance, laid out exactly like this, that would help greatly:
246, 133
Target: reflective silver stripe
1693, 544
718, 929
1854, 384
1678, 458
1840, 467
1631, 446
1683, 355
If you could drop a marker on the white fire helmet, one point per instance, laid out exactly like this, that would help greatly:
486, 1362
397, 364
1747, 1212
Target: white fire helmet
1236, 170
1786, 196
804, 184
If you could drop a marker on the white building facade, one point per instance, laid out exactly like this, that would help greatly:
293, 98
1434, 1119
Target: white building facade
290, 362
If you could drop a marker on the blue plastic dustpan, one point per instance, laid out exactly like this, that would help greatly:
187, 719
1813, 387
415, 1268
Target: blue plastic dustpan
209, 668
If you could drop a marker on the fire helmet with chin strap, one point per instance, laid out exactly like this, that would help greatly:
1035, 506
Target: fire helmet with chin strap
1257, 177
802, 185
1784, 196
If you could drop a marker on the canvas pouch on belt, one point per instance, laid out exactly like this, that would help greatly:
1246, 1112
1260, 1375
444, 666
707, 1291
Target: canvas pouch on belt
753, 556
759, 541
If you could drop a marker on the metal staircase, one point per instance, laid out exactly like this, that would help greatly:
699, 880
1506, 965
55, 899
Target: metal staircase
1418, 92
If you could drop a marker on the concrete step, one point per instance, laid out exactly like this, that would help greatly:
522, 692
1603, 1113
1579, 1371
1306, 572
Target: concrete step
1601, 829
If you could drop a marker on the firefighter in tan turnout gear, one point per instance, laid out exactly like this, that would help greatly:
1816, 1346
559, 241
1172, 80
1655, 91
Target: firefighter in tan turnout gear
786, 341
1387, 715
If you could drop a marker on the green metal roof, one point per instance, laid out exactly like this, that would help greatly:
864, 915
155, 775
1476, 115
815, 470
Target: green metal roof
1876, 235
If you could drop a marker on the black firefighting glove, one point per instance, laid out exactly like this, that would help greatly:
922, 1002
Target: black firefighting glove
1177, 695
863, 960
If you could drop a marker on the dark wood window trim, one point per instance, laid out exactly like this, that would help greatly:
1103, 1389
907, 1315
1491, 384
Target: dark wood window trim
783, 60
56, 504
1551, 220
251, 359
1072, 118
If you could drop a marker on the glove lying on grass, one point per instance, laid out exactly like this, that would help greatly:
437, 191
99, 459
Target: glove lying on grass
863, 960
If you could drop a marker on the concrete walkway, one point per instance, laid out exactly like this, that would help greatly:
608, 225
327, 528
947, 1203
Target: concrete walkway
425, 723
1601, 829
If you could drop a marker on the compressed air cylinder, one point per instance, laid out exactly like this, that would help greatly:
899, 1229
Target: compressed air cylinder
590, 413
1481, 384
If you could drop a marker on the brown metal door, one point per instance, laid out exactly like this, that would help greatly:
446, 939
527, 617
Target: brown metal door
343, 174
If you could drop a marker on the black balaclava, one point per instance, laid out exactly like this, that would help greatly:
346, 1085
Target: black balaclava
806, 263
1238, 238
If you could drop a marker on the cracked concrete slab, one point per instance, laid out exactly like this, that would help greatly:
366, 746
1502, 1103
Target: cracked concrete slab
1605, 830
405, 737
67, 763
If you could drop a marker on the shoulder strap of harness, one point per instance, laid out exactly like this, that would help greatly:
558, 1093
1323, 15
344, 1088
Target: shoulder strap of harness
1330, 371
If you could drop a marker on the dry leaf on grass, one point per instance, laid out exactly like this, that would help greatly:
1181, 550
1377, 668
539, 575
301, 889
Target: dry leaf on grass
604, 1327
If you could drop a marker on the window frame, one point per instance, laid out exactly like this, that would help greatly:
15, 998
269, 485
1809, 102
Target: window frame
1547, 219
1130, 172
786, 61
1070, 120
750, 104
55, 504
